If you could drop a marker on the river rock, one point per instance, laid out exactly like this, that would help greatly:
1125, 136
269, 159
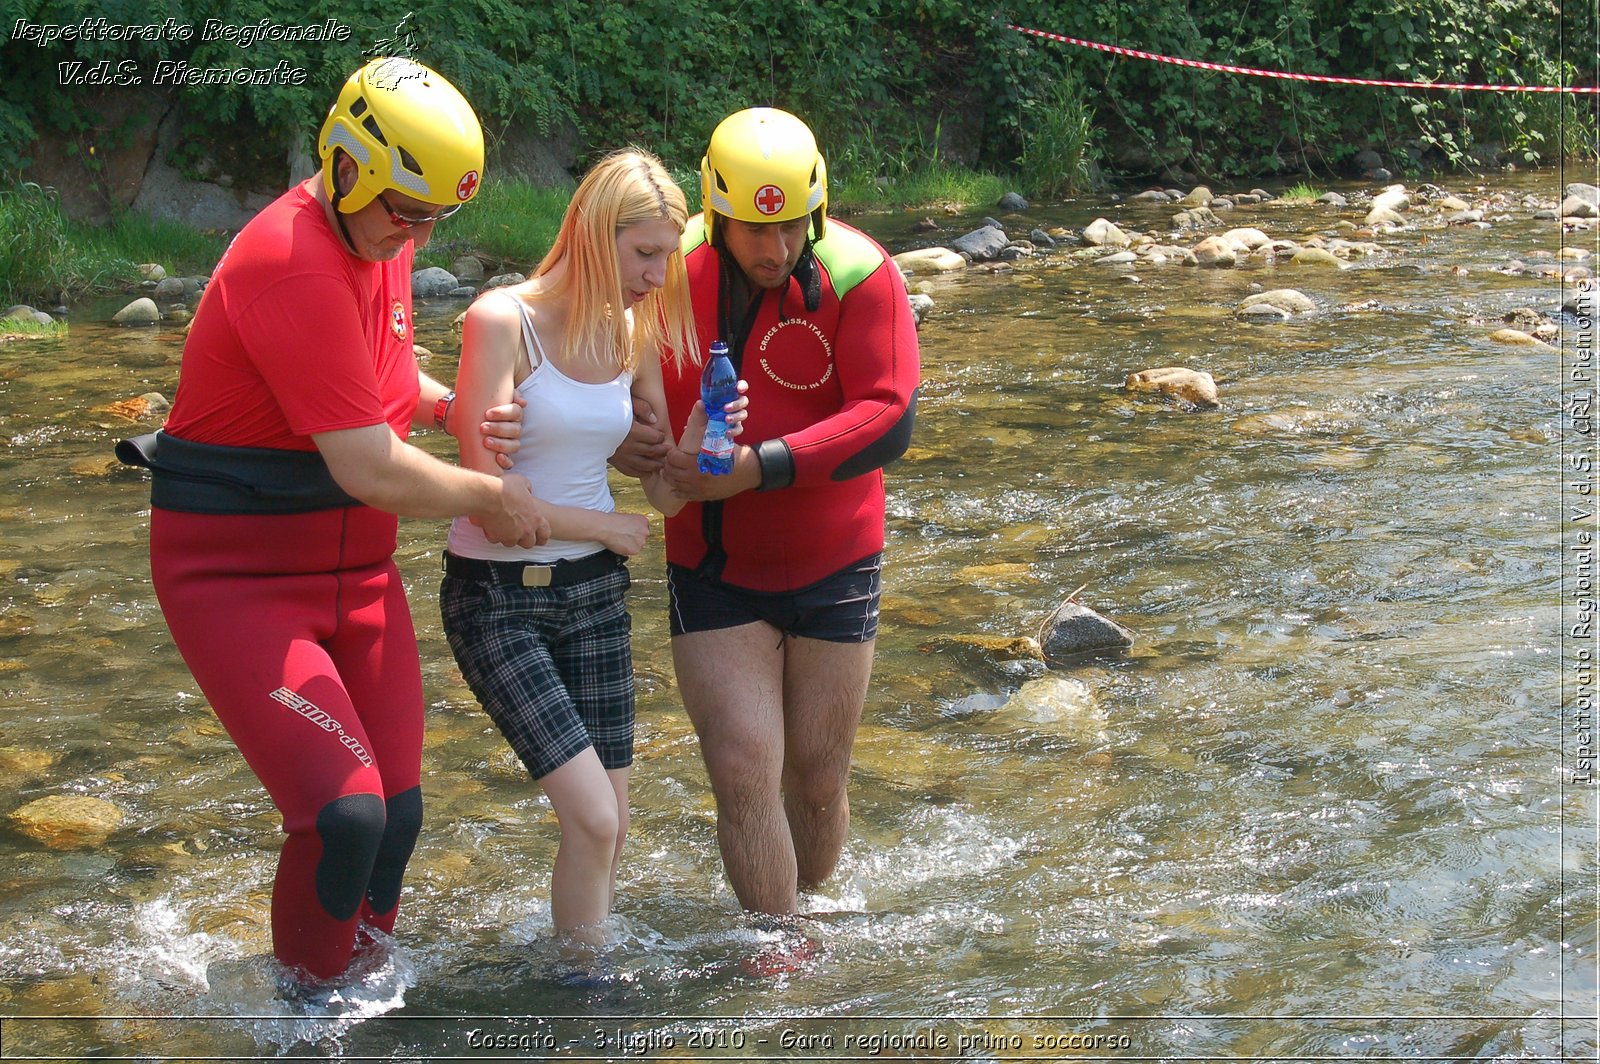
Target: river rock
148, 405
151, 271
468, 269
1194, 387
22, 313
433, 282
1215, 253
1195, 218
142, 311
1589, 193
1062, 704
19, 765
1394, 198
68, 821
169, 289
1367, 159
1101, 233
1012, 201
1248, 239
920, 306
1289, 300
1383, 216
1073, 631
930, 260
1042, 239
1454, 203
1471, 216
1151, 195
1315, 257
1199, 196
982, 245
1333, 199
1262, 312
1516, 338
1117, 258
502, 280
1578, 207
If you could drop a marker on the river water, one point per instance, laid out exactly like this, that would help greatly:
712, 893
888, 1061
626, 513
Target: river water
1325, 807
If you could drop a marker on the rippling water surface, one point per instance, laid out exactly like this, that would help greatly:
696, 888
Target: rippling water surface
1319, 810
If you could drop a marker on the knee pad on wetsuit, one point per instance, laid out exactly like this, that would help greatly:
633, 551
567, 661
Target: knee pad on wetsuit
399, 838
351, 828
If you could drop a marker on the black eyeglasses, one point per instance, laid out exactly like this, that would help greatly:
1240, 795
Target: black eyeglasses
404, 222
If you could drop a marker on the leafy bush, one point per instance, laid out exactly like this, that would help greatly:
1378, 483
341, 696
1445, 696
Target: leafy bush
889, 85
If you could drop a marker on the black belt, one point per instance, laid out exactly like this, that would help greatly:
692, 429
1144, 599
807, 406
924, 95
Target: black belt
526, 574
206, 478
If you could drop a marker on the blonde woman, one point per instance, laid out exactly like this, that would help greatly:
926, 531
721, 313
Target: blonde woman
542, 634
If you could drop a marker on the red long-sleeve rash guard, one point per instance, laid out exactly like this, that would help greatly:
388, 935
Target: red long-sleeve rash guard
832, 398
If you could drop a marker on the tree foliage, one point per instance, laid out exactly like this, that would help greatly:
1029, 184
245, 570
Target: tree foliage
888, 84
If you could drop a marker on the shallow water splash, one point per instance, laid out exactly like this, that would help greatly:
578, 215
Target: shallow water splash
1318, 810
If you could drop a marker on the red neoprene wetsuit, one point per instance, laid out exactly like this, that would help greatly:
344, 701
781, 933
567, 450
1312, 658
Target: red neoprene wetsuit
832, 399
295, 624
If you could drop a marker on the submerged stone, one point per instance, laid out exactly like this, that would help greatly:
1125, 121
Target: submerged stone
68, 821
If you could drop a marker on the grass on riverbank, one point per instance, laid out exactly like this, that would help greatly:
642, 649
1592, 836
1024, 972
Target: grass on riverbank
47, 259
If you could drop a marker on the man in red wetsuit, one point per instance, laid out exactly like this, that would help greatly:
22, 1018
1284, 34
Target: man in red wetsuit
277, 481
773, 569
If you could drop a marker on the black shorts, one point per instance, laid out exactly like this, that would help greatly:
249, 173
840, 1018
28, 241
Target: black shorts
842, 608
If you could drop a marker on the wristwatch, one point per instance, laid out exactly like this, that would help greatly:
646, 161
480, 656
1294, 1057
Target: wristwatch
441, 410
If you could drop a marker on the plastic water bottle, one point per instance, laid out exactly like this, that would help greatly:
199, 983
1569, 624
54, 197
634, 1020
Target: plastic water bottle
719, 386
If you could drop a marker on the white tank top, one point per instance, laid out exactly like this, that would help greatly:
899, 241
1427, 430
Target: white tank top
569, 429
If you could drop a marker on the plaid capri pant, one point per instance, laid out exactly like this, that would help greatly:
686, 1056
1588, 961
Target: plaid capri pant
552, 666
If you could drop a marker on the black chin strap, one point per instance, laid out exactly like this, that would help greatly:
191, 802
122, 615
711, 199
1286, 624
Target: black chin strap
338, 215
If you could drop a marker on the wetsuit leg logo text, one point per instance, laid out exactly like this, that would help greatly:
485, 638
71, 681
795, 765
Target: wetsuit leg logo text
321, 719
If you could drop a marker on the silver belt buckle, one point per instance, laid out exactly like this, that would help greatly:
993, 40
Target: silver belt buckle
536, 575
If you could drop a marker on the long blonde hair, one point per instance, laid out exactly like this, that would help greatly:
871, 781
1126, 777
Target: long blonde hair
625, 188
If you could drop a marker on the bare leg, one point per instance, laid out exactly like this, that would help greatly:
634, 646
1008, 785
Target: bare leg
824, 688
585, 801
619, 787
731, 680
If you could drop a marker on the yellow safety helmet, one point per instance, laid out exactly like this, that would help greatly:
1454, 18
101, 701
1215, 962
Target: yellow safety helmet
408, 129
762, 165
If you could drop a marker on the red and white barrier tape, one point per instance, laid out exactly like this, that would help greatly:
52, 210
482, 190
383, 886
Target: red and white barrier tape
1228, 69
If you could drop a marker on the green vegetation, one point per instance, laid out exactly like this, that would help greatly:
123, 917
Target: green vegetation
47, 258
915, 102
1300, 192
19, 327
898, 85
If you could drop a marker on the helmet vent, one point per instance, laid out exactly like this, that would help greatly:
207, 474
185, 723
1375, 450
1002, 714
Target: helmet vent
371, 126
409, 161
358, 107
722, 185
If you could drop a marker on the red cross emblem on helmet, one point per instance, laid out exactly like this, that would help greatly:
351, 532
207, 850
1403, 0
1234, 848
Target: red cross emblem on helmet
467, 185
769, 199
